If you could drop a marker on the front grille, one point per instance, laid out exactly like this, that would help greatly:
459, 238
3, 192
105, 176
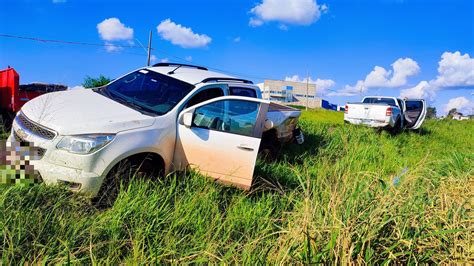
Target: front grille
38, 152
35, 128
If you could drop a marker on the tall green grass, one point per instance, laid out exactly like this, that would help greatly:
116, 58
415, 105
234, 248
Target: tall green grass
348, 195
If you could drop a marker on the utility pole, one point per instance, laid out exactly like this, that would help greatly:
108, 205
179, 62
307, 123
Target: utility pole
149, 48
307, 90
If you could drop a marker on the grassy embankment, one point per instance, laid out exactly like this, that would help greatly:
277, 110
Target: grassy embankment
348, 194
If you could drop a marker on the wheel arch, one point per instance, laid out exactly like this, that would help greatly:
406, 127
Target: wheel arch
138, 156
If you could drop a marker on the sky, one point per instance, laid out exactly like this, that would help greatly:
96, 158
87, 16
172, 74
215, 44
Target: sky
350, 49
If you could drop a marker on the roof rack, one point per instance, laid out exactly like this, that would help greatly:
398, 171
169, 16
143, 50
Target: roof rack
179, 65
217, 79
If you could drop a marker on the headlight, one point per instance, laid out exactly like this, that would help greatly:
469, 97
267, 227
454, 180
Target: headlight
84, 144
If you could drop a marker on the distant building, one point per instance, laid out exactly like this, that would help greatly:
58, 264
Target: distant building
292, 93
459, 116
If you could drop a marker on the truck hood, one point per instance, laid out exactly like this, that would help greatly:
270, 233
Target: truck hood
83, 111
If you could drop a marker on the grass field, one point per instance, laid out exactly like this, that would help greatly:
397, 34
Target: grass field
349, 194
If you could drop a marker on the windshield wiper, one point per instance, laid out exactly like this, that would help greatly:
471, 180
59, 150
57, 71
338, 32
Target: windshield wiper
142, 109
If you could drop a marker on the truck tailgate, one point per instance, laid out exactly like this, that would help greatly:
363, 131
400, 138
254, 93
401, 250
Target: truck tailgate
365, 111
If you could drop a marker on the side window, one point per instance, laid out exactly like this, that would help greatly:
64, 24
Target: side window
233, 116
246, 92
204, 95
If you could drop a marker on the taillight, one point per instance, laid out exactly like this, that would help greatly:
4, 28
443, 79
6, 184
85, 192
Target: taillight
388, 112
346, 109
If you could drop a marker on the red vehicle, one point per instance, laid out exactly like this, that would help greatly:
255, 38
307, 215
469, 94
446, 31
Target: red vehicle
13, 95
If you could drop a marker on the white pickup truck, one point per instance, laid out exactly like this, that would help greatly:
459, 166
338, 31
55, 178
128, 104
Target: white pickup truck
153, 121
386, 112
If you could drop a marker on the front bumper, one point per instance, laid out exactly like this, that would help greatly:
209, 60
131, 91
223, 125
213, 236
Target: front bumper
76, 180
59, 167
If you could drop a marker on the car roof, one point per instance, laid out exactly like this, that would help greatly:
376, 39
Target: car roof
192, 74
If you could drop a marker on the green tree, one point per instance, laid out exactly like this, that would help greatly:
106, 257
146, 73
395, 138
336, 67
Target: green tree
90, 82
452, 112
431, 112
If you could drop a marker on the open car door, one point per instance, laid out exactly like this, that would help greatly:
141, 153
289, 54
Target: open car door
415, 113
221, 138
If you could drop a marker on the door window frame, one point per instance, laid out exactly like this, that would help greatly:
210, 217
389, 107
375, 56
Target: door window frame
223, 87
259, 121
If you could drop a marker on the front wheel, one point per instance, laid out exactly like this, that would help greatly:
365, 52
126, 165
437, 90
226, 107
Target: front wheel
121, 175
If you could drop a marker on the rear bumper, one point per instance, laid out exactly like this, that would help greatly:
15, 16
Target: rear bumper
368, 122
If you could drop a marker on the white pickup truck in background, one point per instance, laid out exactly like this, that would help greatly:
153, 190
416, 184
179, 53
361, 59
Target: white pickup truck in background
391, 113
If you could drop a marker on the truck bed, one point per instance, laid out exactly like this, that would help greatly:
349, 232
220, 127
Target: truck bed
284, 119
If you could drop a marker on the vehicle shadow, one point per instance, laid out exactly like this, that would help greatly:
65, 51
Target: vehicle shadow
420, 131
276, 175
295, 154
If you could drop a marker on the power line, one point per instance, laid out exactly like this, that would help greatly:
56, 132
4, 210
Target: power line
67, 42
134, 47
123, 46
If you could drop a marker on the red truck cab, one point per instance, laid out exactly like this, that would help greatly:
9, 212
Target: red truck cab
13, 95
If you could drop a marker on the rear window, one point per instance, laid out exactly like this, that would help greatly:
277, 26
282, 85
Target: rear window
246, 92
388, 101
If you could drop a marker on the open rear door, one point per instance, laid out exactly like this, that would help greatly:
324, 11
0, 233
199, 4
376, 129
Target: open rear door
221, 138
415, 113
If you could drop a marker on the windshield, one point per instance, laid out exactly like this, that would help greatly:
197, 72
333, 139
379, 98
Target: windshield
147, 91
388, 101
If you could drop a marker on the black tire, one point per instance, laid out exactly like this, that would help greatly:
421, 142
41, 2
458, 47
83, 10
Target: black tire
397, 128
121, 175
268, 152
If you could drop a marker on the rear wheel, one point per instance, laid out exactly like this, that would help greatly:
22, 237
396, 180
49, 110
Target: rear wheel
269, 146
122, 174
397, 128
268, 151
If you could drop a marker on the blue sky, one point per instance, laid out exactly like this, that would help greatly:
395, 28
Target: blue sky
355, 48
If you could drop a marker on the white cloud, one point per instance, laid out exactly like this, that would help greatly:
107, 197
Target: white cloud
322, 85
455, 70
164, 60
379, 77
324, 8
112, 29
401, 70
462, 105
153, 59
236, 39
295, 12
78, 87
182, 36
59, 1
424, 90
253, 22
348, 90
112, 48
188, 58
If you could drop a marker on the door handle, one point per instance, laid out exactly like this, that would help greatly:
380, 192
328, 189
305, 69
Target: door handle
245, 147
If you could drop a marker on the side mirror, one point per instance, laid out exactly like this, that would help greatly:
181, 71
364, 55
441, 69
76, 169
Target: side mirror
188, 119
268, 124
